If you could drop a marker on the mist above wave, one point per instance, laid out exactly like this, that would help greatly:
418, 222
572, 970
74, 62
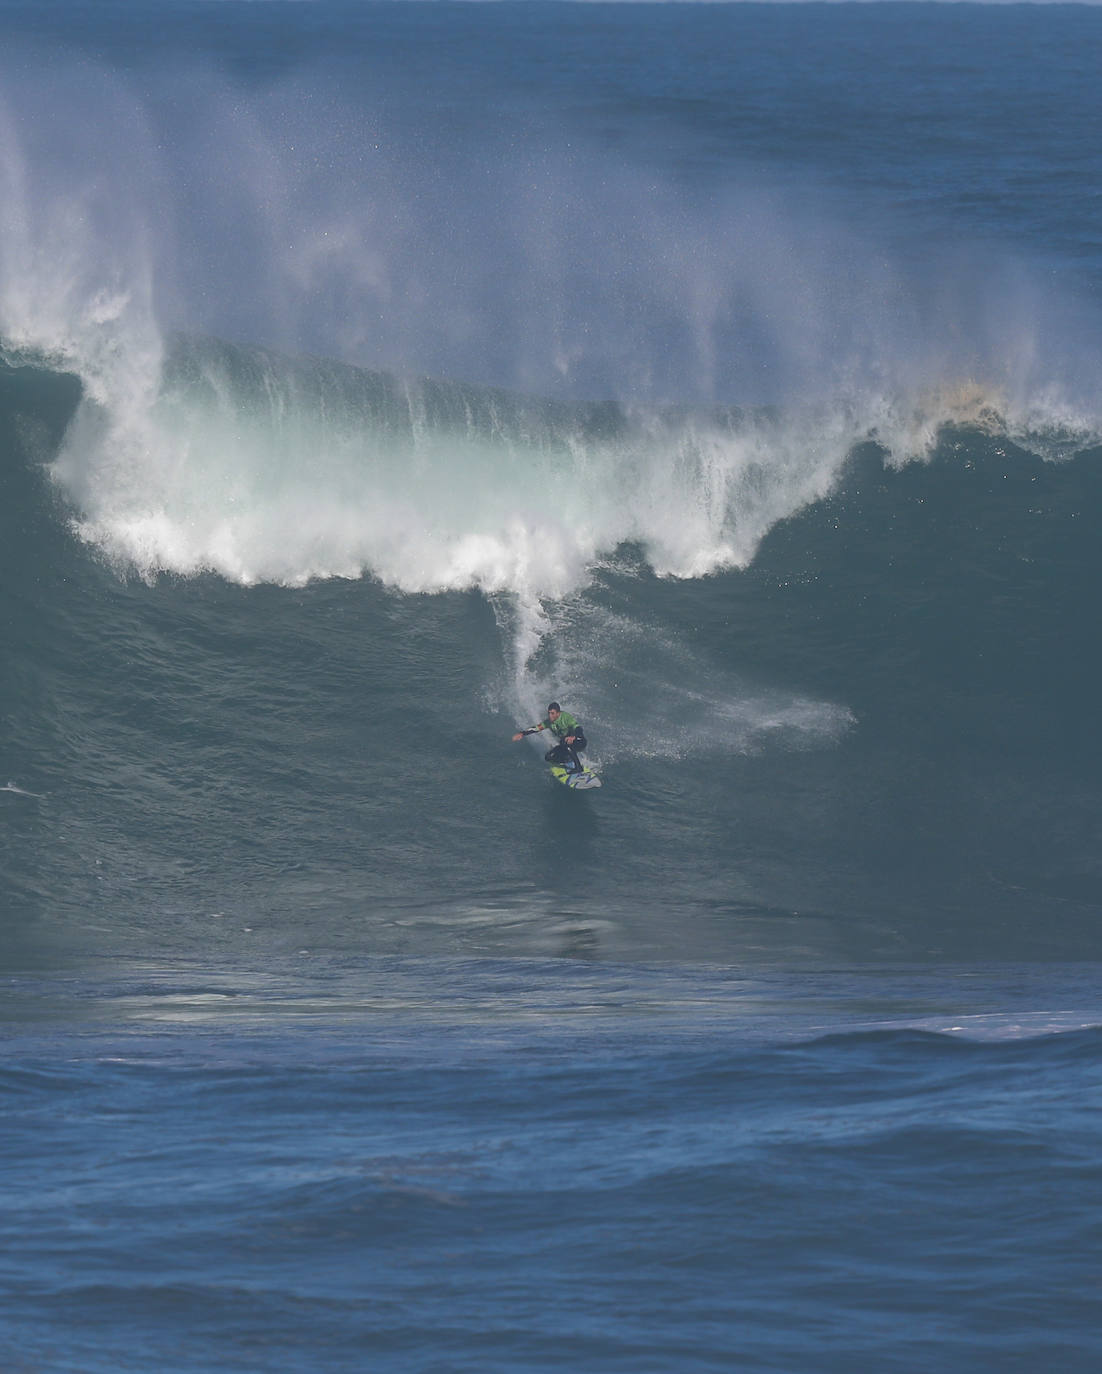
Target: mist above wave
301, 214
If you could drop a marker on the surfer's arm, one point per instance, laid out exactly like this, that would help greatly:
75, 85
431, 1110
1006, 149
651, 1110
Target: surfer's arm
532, 730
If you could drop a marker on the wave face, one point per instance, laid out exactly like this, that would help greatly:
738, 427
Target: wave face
357, 399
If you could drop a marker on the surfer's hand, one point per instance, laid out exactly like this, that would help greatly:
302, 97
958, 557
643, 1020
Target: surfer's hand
516, 737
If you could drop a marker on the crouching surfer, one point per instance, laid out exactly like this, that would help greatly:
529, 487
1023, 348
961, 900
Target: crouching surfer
567, 731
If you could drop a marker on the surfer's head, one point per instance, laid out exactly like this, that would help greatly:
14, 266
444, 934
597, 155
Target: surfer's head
554, 709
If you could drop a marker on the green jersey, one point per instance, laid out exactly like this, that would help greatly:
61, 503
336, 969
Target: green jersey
565, 725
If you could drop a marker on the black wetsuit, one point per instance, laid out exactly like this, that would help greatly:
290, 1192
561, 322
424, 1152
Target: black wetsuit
563, 754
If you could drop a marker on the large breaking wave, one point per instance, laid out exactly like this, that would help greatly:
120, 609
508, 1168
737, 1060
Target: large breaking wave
733, 349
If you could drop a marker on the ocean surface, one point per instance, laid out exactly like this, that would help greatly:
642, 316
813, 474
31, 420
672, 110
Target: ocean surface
372, 375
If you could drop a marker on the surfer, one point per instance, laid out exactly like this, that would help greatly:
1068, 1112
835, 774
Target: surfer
567, 731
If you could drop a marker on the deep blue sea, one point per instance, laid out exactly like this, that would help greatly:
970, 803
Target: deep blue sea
372, 375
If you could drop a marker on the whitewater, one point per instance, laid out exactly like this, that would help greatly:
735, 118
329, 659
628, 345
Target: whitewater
372, 375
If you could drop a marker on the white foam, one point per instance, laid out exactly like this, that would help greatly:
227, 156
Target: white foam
645, 692
275, 483
215, 223
20, 791
748, 297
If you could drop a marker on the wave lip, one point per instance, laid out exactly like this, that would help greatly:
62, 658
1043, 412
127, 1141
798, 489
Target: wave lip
263, 468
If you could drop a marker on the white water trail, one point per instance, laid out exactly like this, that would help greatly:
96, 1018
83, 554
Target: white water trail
21, 791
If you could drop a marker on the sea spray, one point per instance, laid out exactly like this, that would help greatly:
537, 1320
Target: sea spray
741, 288
642, 689
746, 339
260, 212
264, 468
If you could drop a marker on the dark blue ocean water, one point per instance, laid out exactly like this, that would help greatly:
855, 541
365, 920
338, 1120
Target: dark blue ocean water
371, 375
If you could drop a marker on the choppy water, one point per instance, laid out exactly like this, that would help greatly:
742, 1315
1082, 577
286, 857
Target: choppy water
370, 376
